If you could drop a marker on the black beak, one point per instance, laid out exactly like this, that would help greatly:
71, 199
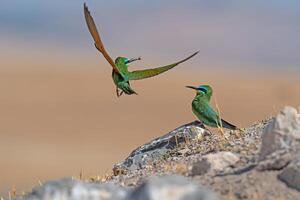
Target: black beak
133, 59
192, 87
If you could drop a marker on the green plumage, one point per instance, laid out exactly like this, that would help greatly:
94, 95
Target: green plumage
122, 81
203, 110
120, 74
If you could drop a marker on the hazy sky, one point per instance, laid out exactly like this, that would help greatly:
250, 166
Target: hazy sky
228, 33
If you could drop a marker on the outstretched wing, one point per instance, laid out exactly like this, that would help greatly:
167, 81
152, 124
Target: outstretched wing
147, 73
98, 43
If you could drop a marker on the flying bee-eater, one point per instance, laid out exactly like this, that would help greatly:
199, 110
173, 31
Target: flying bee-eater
203, 110
120, 74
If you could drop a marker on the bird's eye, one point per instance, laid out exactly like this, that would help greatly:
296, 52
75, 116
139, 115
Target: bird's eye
203, 90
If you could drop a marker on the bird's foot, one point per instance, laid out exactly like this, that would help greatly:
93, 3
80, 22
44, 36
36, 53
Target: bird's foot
239, 132
221, 130
118, 92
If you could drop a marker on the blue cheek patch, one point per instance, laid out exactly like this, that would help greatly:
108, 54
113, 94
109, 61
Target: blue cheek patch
126, 60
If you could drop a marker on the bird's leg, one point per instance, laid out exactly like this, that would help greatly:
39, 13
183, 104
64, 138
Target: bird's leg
121, 92
176, 140
220, 128
186, 139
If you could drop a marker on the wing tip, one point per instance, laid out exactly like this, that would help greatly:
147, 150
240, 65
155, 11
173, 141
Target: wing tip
195, 53
86, 9
188, 57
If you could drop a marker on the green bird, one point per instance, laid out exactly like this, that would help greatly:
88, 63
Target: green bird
120, 74
203, 110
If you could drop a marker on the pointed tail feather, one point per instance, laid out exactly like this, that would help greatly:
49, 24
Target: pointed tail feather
227, 125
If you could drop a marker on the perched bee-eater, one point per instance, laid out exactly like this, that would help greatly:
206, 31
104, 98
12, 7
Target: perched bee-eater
120, 74
203, 110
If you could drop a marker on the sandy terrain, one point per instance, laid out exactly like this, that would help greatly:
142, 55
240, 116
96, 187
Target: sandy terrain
56, 122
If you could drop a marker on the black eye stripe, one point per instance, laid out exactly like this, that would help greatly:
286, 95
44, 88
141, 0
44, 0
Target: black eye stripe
203, 90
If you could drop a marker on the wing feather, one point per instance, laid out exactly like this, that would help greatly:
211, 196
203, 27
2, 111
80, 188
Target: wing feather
147, 73
98, 43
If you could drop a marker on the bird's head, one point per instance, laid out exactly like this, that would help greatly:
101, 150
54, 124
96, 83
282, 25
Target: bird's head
125, 61
203, 90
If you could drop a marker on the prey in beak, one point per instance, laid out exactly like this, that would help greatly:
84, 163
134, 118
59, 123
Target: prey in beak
132, 60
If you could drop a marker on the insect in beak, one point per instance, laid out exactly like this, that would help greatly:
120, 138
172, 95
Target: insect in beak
132, 60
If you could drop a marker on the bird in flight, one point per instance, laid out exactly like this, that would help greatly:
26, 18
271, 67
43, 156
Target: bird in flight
120, 74
203, 110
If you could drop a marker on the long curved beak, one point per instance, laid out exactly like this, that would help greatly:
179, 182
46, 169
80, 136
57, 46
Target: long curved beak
133, 59
192, 87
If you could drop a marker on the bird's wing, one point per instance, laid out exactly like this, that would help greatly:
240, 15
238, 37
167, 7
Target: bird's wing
98, 43
208, 112
147, 73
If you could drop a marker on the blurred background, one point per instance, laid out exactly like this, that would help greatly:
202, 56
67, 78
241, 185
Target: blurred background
59, 110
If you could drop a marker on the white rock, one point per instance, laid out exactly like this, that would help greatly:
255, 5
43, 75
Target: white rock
68, 189
171, 188
282, 133
221, 160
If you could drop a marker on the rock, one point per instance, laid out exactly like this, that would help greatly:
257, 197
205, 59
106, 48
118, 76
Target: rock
167, 187
253, 185
158, 148
68, 189
261, 162
281, 136
171, 188
200, 168
220, 160
214, 162
275, 161
291, 174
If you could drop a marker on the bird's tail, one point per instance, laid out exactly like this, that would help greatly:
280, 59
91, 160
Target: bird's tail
125, 87
227, 125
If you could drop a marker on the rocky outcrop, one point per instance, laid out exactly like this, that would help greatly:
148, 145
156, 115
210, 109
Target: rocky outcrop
155, 150
171, 188
281, 140
167, 188
65, 189
256, 163
260, 162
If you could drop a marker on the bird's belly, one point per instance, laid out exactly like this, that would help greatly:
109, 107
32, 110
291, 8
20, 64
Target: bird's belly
122, 84
117, 78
